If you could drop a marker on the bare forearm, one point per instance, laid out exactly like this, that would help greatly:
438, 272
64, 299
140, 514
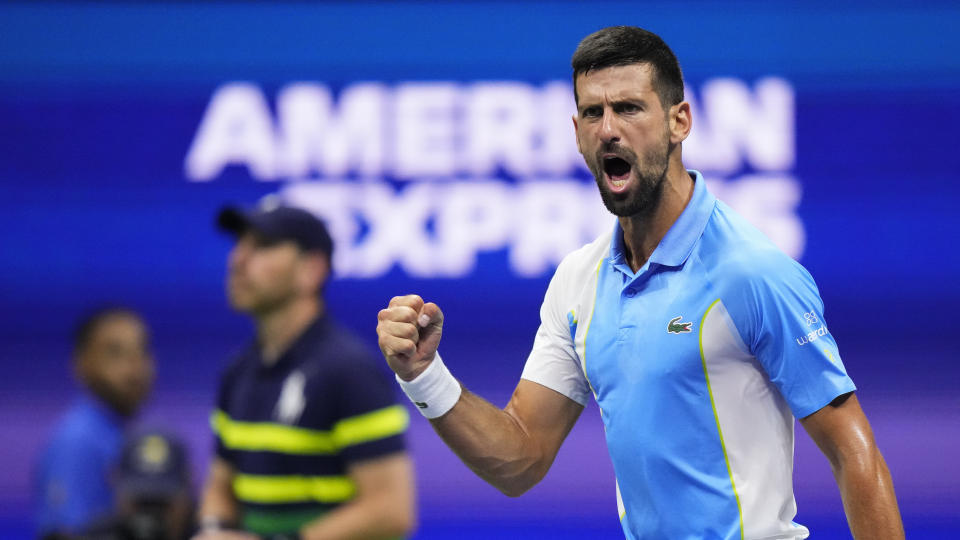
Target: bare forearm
493, 443
869, 500
216, 506
385, 506
361, 521
512, 449
218, 500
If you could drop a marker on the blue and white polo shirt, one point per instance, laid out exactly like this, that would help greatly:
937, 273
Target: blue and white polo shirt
699, 362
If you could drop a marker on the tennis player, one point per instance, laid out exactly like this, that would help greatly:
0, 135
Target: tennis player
699, 340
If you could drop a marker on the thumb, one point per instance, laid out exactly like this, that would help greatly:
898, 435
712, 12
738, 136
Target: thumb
430, 322
430, 318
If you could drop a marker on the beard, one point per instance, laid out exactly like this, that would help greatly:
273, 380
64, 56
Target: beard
263, 300
647, 174
123, 398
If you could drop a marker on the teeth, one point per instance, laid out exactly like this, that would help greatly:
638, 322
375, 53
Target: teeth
618, 183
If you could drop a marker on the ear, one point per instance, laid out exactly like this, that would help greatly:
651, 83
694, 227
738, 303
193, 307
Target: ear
313, 272
680, 122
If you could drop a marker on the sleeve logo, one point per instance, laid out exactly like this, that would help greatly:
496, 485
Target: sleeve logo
811, 319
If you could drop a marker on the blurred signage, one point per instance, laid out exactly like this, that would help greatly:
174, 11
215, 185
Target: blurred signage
427, 175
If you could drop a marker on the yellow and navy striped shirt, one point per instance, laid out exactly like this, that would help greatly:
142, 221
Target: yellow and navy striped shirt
291, 429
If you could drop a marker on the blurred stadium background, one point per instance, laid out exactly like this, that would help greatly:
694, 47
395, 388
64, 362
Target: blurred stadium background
435, 138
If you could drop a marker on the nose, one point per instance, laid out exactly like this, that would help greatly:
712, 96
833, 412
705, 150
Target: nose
609, 128
237, 255
137, 369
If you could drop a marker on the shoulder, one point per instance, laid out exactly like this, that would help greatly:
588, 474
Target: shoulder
339, 353
241, 367
237, 360
757, 270
738, 258
72, 430
578, 266
758, 284
344, 374
79, 434
341, 342
585, 258
762, 289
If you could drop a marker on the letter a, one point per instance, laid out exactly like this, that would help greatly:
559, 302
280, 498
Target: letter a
236, 130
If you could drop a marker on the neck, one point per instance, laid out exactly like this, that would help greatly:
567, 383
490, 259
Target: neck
119, 410
643, 233
278, 329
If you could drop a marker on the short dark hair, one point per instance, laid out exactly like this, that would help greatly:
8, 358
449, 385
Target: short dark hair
627, 45
88, 323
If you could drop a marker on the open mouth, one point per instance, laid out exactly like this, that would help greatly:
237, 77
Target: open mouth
617, 170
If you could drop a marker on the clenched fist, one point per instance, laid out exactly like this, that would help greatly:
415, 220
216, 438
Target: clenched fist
409, 332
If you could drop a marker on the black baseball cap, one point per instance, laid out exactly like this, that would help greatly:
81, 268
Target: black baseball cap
153, 464
278, 222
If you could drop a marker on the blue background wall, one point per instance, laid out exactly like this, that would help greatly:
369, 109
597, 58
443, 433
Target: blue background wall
99, 105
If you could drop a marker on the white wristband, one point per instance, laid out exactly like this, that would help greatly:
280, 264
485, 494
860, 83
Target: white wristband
211, 524
435, 391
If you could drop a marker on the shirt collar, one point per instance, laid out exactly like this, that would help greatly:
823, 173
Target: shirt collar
99, 409
295, 352
677, 244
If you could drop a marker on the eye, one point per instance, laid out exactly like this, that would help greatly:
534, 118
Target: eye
627, 108
592, 112
264, 242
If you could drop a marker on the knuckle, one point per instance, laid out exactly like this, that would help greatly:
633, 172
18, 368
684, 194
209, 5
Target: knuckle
393, 346
405, 300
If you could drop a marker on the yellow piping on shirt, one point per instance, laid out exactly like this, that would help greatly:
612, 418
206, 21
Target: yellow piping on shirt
703, 360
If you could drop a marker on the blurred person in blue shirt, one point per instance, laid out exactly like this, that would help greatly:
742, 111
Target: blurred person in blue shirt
112, 361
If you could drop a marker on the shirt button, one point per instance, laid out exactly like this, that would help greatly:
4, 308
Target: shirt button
631, 293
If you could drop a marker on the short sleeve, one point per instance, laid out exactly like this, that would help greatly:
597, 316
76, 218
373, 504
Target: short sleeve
779, 314
370, 422
218, 417
553, 361
73, 485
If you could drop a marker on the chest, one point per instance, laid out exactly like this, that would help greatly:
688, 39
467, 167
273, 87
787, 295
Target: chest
288, 396
641, 340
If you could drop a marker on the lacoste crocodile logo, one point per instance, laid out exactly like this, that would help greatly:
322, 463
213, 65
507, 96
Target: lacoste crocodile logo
677, 327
